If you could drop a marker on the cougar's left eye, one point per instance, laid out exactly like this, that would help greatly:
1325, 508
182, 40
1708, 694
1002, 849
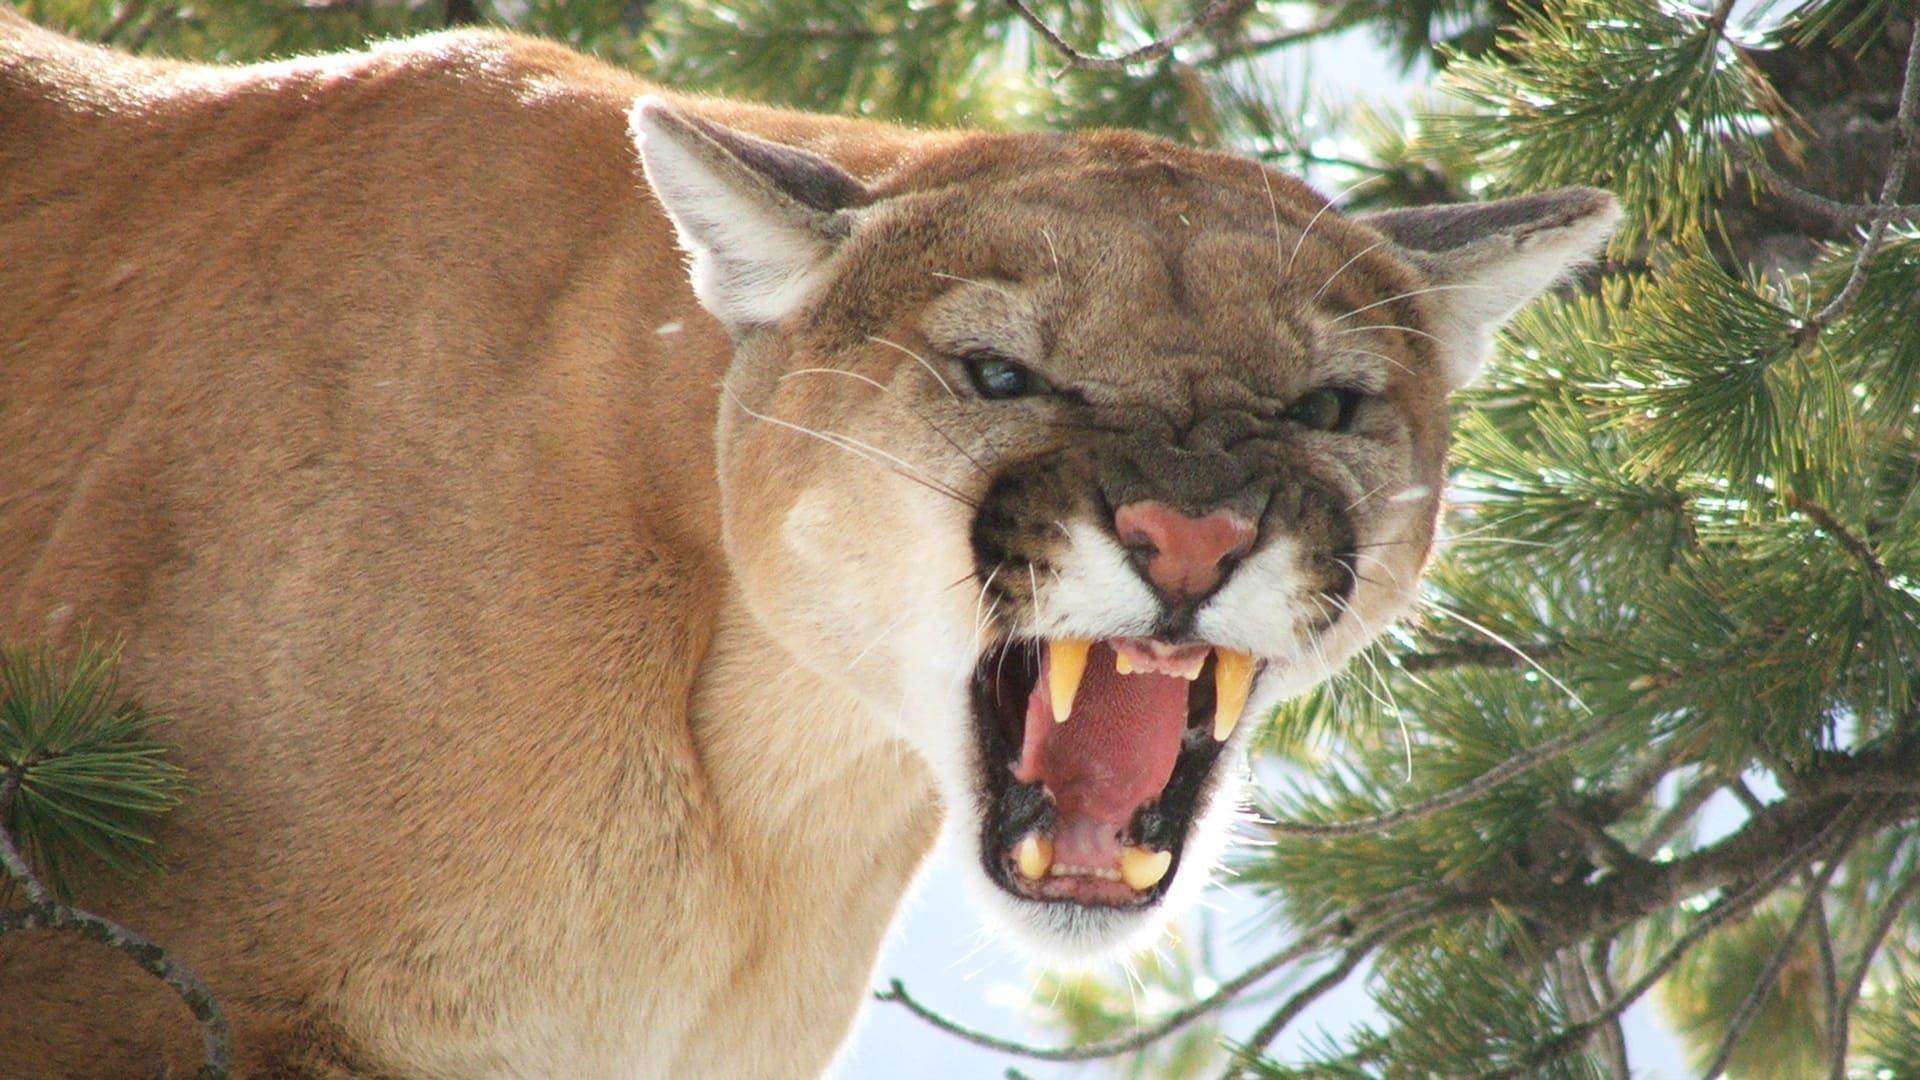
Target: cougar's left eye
998, 378
1326, 409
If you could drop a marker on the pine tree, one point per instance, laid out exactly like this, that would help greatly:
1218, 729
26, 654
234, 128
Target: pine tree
1685, 565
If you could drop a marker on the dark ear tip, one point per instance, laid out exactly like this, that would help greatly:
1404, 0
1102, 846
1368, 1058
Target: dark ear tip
1586, 202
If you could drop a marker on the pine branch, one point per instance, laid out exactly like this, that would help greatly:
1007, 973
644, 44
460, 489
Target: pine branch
1390, 928
1216, 12
1845, 213
1895, 906
1518, 765
1255, 46
1725, 910
1615, 1045
43, 911
1907, 129
1831, 526
1608, 852
1269, 1030
1576, 986
1452, 654
1675, 817
1619, 900
1823, 950
1763, 985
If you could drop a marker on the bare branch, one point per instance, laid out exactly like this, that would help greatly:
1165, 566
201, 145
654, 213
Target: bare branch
1830, 525
1518, 765
1675, 817
1725, 910
1770, 974
1214, 13
1258, 1042
1240, 50
43, 911
1907, 127
1576, 987
1615, 1046
1392, 927
1895, 905
1846, 213
1829, 968
1606, 851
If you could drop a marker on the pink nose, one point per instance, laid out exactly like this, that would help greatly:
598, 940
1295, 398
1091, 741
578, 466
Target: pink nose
1184, 554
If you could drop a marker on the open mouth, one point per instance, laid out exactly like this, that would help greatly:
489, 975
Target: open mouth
1097, 755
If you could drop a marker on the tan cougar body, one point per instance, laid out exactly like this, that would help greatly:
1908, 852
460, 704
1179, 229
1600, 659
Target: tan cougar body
574, 663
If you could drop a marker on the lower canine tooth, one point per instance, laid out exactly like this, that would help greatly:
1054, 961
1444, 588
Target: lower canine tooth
1034, 856
1142, 869
1066, 663
1232, 682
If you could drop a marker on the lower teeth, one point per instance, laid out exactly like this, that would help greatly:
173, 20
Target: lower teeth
1085, 871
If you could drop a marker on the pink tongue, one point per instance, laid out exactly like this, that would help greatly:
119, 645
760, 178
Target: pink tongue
1115, 752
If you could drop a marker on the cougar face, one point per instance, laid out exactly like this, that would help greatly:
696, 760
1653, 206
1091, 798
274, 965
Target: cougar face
1072, 455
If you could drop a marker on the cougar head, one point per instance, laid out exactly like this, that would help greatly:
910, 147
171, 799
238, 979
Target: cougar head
1068, 454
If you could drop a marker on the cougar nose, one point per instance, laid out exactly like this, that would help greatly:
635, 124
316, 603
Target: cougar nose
1185, 556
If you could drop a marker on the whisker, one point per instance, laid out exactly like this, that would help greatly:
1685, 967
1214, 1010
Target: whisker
978, 623
981, 284
857, 449
999, 669
875, 383
1509, 646
1274, 207
918, 415
1381, 563
1370, 494
1315, 220
881, 636
1033, 583
1452, 540
1406, 295
1052, 252
1343, 269
941, 379
1385, 326
1387, 702
1350, 351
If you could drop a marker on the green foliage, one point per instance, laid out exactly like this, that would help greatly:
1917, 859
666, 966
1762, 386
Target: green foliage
1688, 494
1786, 1036
1639, 96
91, 778
1086, 1009
1890, 1030
1454, 1007
892, 58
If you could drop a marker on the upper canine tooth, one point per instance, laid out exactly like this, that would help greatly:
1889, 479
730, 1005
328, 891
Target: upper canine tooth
1122, 664
1142, 869
1232, 682
1034, 856
1066, 663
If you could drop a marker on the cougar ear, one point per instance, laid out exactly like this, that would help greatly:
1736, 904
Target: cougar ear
758, 220
1485, 260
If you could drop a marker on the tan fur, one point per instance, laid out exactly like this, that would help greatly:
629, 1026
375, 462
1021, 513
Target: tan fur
365, 398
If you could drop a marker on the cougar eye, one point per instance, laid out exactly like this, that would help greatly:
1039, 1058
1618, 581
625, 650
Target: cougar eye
1329, 408
998, 378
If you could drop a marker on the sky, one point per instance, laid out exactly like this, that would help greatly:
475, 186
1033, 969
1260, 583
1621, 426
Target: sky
949, 960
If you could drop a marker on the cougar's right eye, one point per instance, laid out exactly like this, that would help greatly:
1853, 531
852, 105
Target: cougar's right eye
997, 378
